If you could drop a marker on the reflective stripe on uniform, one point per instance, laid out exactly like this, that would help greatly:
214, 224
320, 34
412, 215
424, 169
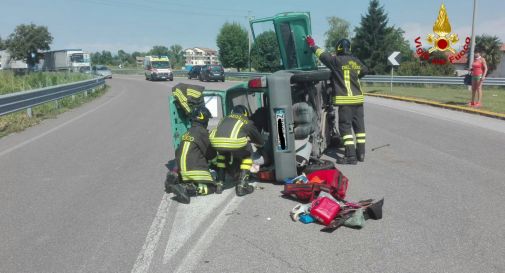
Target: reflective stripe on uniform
194, 93
182, 100
340, 100
361, 135
347, 81
245, 167
319, 51
360, 140
349, 142
196, 176
347, 137
247, 161
231, 142
185, 149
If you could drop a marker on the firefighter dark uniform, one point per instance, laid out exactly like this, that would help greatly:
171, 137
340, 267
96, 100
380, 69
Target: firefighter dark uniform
231, 140
346, 70
193, 156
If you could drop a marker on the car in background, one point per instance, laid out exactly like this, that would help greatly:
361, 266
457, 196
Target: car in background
194, 72
212, 72
85, 70
103, 71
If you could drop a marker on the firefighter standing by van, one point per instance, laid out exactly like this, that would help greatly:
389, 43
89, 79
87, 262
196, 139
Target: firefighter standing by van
231, 139
346, 70
193, 156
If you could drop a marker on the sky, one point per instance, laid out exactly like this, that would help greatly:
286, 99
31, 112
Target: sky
134, 25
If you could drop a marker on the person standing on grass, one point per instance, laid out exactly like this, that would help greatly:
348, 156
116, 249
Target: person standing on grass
479, 71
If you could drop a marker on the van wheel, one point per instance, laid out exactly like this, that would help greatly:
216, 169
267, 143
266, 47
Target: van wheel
222, 80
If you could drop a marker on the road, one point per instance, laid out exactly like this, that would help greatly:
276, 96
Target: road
84, 193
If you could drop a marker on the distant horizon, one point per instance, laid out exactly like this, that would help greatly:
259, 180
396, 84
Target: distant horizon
112, 25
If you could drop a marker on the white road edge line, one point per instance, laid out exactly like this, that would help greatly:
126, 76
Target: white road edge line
143, 261
2, 153
190, 261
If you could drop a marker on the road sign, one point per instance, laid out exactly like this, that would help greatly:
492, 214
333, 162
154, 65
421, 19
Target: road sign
392, 58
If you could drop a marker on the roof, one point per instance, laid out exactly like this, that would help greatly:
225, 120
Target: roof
502, 47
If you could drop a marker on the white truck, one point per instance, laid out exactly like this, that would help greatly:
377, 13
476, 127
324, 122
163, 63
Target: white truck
73, 60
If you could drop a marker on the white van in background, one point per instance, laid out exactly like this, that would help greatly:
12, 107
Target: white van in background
157, 68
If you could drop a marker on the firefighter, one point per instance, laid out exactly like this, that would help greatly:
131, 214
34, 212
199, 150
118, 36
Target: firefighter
193, 156
346, 70
231, 139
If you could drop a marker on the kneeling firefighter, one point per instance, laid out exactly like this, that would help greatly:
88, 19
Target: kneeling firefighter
231, 139
193, 156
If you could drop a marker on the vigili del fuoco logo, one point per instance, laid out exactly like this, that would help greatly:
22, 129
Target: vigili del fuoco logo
441, 40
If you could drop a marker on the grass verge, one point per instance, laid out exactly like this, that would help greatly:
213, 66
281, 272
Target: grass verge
493, 97
19, 121
10, 82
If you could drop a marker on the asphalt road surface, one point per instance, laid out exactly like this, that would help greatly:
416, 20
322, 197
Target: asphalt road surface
84, 193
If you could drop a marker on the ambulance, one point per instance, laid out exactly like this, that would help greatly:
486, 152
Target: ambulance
157, 68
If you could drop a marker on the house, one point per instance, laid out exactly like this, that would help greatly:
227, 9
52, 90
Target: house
139, 60
7, 63
200, 56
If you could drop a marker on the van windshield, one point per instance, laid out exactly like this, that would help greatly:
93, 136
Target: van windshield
161, 64
216, 68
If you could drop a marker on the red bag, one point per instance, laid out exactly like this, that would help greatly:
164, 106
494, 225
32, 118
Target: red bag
324, 210
335, 183
302, 192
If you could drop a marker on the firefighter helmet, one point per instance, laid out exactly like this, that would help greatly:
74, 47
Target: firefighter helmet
201, 115
343, 47
240, 110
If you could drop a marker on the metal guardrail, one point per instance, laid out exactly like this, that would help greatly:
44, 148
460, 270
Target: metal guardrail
366, 79
27, 99
395, 79
427, 80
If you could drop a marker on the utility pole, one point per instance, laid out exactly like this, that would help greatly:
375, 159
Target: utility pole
472, 46
249, 18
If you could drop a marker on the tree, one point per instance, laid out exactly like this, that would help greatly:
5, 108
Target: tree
339, 29
26, 41
369, 44
233, 45
96, 58
265, 55
2, 44
106, 57
123, 57
159, 50
177, 55
397, 42
489, 46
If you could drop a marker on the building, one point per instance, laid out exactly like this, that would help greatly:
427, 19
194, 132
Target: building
6, 62
139, 61
200, 56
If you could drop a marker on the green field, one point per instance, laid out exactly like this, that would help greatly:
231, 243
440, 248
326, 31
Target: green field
493, 97
10, 83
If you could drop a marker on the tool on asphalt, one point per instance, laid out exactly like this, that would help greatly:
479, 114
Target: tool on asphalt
386, 145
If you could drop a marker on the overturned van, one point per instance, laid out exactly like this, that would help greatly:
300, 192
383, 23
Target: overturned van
291, 107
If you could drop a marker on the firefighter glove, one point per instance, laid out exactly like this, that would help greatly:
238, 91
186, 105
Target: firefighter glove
310, 41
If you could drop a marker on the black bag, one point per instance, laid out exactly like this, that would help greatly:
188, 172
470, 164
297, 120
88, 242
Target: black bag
188, 96
468, 79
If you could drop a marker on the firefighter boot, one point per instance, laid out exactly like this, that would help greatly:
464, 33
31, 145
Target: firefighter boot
243, 186
360, 152
220, 181
172, 179
350, 156
181, 193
